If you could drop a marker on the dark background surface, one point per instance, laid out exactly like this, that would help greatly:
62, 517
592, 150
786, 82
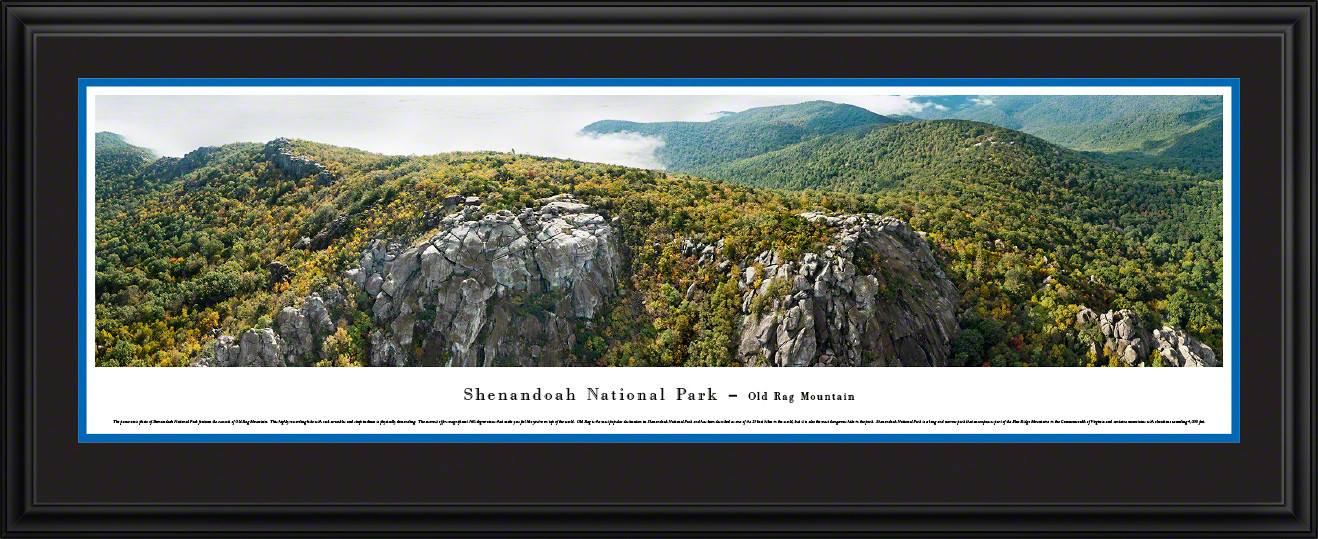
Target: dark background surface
68, 472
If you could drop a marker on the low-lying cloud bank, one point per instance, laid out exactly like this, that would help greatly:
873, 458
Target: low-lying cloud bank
543, 125
627, 149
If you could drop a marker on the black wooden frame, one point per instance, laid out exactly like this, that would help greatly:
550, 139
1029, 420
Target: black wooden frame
25, 22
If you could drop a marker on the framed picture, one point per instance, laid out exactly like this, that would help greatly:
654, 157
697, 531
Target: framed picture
1012, 198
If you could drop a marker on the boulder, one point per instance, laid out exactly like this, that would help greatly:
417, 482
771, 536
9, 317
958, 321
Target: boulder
279, 273
355, 276
374, 283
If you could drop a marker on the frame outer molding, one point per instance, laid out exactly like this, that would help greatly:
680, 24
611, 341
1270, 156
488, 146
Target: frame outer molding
1299, 219
25, 22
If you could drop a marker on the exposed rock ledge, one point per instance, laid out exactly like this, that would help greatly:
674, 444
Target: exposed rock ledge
1125, 337
877, 297
498, 290
277, 152
295, 338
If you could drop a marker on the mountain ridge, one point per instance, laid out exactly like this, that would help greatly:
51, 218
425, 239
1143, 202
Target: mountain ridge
1130, 126
692, 146
224, 246
1159, 131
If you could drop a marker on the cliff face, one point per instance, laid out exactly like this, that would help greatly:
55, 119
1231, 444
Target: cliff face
877, 297
497, 290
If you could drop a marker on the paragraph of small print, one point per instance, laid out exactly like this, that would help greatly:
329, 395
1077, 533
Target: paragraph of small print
1014, 423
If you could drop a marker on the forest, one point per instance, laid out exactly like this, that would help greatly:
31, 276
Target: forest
1029, 232
1182, 131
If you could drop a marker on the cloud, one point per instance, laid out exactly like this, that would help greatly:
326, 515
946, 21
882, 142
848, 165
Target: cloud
983, 101
626, 149
544, 125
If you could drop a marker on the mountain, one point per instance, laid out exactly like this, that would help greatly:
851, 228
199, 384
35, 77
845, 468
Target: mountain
693, 146
298, 253
902, 155
116, 158
1012, 189
1162, 132
1184, 131
814, 117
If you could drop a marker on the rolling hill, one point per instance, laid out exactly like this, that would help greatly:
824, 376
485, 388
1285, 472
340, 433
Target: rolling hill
1184, 131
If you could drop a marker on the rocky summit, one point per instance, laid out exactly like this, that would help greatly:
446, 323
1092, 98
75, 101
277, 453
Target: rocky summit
278, 153
497, 289
877, 297
483, 290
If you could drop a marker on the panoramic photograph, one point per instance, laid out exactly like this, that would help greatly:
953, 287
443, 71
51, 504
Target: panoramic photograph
658, 230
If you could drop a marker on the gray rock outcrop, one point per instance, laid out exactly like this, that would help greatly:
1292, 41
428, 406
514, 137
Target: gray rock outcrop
294, 341
277, 152
302, 330
225, 352
877, 297
196, 159
1125, 338
501, 289
332, 231
279, 273
702, 252
255, 348
1180, 350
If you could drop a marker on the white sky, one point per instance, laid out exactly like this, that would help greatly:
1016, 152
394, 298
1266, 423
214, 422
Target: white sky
544, 125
